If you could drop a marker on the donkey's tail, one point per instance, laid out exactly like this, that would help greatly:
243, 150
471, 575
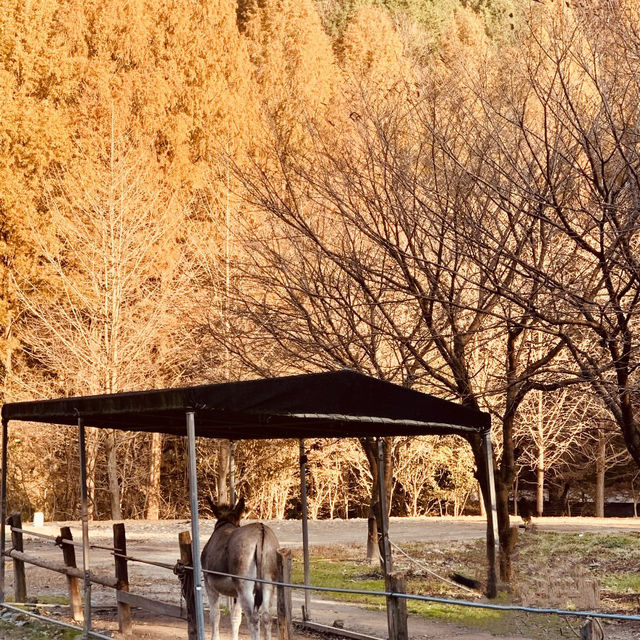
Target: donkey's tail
257, 586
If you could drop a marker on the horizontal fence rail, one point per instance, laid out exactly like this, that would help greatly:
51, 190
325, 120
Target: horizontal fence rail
58, 540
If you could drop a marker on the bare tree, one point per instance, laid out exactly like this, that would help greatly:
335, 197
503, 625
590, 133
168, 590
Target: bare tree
566, 170
370, 260
551, 425
101, 320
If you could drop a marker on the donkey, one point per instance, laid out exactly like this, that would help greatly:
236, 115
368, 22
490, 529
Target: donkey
248, 551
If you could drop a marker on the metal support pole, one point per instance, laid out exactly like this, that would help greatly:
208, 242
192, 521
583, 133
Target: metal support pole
384, 514
492, 517
232, 472
306, 613
85, 529
395, 626
195, 524
3, 505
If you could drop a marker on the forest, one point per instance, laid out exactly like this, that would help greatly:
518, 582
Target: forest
443, 194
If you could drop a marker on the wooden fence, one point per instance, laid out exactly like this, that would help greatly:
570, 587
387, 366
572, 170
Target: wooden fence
125, 599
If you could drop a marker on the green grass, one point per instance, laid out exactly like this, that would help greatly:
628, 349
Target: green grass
613, 559
35, 630
622, 583
346, 574
42, 599
343, 574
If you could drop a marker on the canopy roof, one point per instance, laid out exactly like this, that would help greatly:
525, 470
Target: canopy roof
335, 404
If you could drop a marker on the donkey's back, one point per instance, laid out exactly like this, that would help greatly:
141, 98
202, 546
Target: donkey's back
252, 553
248, 552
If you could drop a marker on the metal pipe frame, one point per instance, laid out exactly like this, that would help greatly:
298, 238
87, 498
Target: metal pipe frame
85, 528
493, 541
305, 530
195, 524
3, 506
387, 560
384, 515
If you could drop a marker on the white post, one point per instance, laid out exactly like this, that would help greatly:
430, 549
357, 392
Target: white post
195, 524
305, 529
3, 506
85, 529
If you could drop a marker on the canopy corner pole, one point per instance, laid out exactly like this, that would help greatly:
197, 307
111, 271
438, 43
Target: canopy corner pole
492, 516
396, 623
3, 505
195, 524
85, 528
306, 612
384, 513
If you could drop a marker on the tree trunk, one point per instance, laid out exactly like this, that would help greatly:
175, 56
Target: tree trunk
505, 533
153, 489
541, 460
224, 464
504, 482
370, 447
92, 444
600, 472
112, 473
483, 509
540, 484
8, 361
506, 472
372, 536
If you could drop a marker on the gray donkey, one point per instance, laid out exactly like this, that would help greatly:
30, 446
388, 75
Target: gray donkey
248, 551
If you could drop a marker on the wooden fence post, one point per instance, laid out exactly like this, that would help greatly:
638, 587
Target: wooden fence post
284, 595
122, 578
398, 609
186, 580
74, 584
20, 582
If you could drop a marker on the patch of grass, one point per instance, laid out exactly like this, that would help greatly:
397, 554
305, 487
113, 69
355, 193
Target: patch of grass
34, 630
612, 559
62, 600
42, 599
343, 575
359, 576
622, 583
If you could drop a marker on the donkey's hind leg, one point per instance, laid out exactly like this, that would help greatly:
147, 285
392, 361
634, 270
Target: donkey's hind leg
265, 614
246, 599
214, 610
236, 618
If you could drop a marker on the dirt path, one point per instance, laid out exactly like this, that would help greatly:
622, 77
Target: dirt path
157, 541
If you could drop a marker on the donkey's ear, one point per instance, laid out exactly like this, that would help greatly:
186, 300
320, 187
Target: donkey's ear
239, 508
213, 507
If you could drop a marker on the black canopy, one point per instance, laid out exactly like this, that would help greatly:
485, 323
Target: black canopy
343, 403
